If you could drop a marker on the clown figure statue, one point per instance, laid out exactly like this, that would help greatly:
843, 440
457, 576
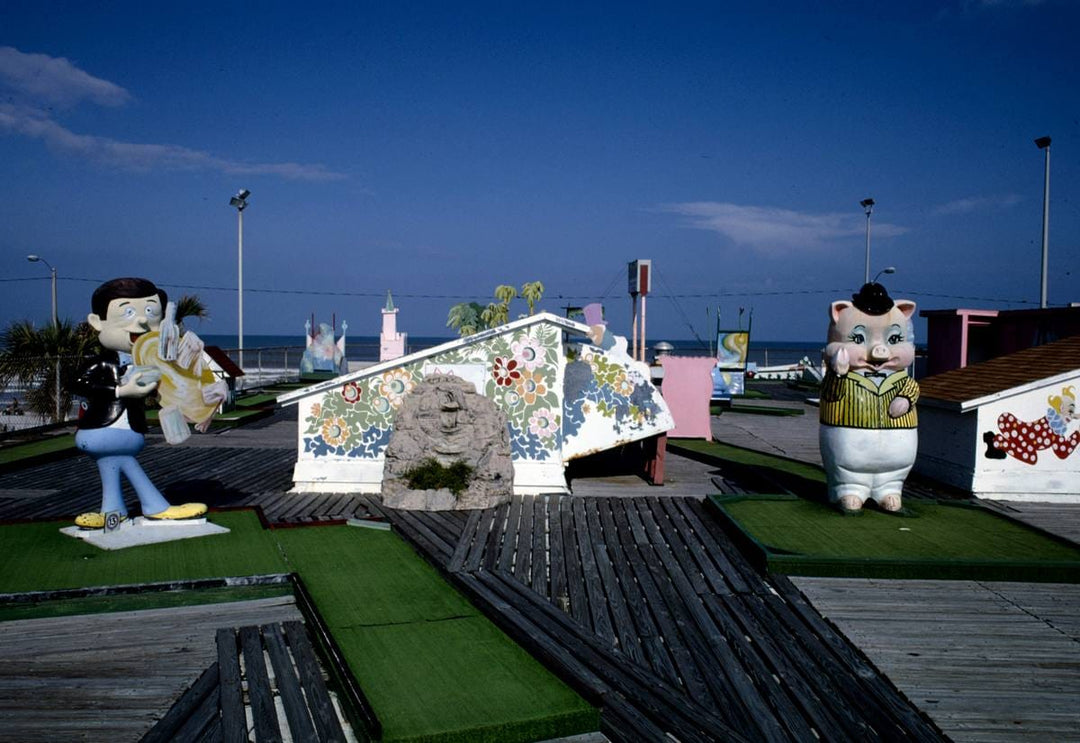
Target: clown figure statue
112, 423
868, 433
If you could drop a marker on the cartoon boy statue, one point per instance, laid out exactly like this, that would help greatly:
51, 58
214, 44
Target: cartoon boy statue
113, 422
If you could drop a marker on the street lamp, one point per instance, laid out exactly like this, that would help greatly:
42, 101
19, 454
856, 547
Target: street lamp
240, 202
889, 270
55, 323
868, 207
1043, 143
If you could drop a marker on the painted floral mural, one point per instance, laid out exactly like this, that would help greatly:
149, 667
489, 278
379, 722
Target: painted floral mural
355, 420
599, 386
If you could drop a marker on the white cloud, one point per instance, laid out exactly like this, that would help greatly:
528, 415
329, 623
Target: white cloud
55, 80
978, 203
144, 157
772, 230
35, 81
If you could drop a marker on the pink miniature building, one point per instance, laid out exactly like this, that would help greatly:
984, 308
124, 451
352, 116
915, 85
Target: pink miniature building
957, 338
687, 390
391, 342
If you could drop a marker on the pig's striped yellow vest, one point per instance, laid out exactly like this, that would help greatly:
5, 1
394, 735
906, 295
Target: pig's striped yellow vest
853, 401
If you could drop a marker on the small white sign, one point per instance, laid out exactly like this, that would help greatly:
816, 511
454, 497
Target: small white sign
475, 373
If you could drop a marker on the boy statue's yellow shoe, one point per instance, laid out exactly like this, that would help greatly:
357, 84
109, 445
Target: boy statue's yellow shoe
176, 513
92, 520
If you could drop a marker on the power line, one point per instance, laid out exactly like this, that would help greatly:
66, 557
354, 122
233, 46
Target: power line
669, 294
678, 307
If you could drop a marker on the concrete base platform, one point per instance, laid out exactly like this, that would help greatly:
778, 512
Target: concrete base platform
139, 531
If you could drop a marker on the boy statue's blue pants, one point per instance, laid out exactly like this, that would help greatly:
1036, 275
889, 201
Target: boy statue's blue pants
114, 450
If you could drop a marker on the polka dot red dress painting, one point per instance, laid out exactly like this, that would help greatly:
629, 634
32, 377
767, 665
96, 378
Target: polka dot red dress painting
1023, 440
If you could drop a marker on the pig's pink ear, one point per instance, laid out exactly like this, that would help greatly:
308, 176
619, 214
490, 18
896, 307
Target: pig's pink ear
906, 306
839, 306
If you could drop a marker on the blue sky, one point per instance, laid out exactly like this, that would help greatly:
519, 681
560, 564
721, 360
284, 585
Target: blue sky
439, 149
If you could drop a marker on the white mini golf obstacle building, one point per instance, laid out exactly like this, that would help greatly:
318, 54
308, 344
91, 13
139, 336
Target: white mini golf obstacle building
563, 396
1008, 428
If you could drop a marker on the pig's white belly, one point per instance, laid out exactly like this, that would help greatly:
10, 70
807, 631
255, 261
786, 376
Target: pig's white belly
867, 461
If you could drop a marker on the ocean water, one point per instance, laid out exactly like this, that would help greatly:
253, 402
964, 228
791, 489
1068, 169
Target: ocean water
366, 348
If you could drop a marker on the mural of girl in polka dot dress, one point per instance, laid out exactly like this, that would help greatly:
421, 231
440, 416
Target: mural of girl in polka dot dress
1024, 440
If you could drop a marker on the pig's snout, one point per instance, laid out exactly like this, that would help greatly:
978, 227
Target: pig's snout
879, 353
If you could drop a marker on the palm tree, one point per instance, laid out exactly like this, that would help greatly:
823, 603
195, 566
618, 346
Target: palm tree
465, 318
30, 357
532, 292
189, 305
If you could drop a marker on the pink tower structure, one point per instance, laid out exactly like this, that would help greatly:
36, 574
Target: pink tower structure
391, 342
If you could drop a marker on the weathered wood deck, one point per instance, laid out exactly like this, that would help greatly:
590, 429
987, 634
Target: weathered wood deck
111, 677
989, 661
640, 601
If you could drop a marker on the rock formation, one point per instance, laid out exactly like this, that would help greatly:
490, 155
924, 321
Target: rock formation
445, 419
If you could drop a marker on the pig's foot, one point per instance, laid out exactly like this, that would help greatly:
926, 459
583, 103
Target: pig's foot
890, 502
849, 503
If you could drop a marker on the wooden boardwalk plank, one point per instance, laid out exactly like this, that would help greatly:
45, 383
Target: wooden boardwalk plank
575, 574
509, 545
495, 537
539, 580
288, 684
523, 559
625, 631
656, 624
480, 536
318, 696
711, 551
932, 638
264, 716
174, 725
557, 589
233, 719
457, 559
596, 600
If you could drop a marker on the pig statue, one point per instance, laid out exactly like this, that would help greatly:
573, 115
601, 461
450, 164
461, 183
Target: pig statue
868, 433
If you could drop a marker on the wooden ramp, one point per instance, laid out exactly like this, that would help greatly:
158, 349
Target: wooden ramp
644, 606
266, 686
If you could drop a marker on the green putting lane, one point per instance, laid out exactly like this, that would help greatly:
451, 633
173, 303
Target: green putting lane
433, 667
37, 557
926, 540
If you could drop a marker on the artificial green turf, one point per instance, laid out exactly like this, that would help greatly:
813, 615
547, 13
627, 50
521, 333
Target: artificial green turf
138, 601
432, 666
48, 445
747, 457
36, 557
251, 401
756, 410
926, 540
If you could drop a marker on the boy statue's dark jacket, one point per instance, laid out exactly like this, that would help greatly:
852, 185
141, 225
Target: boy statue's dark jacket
97, 385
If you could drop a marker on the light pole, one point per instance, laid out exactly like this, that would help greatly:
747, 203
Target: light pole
1043, 143
240, 202
868, 207
56, 326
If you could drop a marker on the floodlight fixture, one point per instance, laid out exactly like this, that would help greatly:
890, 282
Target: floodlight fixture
1042, 142
240, 200
867, 205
